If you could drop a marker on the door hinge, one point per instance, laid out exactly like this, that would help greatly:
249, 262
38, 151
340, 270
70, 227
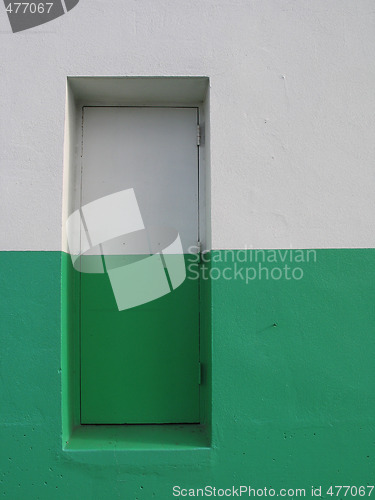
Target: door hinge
199, 251
198, 135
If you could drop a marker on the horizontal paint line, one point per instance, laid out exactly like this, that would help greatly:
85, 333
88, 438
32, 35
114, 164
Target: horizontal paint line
235, 249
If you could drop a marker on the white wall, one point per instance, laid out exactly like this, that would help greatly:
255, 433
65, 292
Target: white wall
292, 112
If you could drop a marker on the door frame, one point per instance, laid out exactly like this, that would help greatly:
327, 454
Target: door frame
130, 91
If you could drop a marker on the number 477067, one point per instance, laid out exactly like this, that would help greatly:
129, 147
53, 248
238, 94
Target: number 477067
33, 8
353, 491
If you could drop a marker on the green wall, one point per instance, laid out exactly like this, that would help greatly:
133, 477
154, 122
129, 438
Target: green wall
293, 386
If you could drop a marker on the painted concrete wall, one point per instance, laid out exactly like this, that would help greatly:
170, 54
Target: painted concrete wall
292, 112
291, 161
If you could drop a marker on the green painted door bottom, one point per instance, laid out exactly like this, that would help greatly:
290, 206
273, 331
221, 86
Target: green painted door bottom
140, 365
